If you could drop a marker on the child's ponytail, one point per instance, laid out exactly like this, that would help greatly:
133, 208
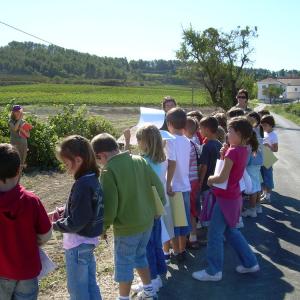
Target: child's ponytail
253, 142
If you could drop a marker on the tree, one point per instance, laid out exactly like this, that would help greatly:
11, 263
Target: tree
217, 59
273, 91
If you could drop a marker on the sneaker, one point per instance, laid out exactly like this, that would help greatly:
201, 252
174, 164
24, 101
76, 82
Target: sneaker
157, 283
146, 295
178, 258
203, 276
259, 209
243, 270
250, 212
240, 224
266, 199
198, 226
167, 258
136, 288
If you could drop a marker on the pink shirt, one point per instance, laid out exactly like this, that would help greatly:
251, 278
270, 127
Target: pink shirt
230, 200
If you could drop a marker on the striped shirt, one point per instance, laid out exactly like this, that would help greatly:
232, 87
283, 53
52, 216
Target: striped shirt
193, 169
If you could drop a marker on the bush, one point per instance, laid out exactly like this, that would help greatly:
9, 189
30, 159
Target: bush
45, 135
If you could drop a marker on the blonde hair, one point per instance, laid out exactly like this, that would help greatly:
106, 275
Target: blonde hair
151, 142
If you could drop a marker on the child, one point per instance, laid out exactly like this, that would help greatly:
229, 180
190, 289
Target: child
24, 226
209, 155
190, 130
151, 146
254, 165
222, 120
129, 206
82, 220
18, 136
235, 112
167, 104
197, 138
270, 140
178, 154
227, 209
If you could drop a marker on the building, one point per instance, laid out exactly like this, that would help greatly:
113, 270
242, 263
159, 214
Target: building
290, 86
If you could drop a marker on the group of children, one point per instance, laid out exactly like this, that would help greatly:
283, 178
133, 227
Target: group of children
126, 198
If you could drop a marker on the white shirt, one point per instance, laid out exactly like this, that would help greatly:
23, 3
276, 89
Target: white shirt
270, 138
179, 150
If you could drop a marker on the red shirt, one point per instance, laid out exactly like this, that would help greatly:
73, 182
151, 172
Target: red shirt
22, 217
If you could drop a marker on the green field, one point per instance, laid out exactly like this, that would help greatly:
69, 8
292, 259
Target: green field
99, 95
289, 111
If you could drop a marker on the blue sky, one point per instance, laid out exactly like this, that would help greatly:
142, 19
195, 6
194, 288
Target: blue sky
153, 29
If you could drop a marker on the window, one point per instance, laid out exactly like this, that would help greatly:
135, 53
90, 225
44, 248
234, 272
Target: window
264, 86
296, 89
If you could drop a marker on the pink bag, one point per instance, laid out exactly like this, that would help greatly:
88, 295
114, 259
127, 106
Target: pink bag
208, 204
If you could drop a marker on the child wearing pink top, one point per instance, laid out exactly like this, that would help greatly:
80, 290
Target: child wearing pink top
227, 209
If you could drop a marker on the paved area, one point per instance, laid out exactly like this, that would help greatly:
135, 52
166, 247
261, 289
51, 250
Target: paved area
274, 236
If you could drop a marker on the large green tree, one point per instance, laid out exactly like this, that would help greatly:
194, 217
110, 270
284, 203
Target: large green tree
217, 59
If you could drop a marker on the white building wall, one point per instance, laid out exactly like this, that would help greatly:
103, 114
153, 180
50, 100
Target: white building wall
293, 92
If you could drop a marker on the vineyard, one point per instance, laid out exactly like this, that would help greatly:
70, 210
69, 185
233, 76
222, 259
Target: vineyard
100, 95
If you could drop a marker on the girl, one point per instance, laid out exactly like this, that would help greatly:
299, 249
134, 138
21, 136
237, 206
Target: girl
82, 220
18, 135
270, 140
226, 211
254, 165
151, 147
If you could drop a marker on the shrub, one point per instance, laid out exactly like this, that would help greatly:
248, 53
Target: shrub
4, 118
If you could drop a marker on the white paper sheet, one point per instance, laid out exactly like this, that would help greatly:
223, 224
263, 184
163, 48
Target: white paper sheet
218, 169
147, 116
47, 264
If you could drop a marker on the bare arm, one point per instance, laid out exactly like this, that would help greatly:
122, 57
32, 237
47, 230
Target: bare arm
44, 238
202, 173
170, 175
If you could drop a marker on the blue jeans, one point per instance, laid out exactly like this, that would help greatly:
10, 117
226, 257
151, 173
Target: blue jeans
185, 230
19, 289
81, 273
215, 252
130, 253
155, 254
267, 175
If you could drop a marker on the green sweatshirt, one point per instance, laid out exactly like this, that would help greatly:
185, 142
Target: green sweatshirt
129, 206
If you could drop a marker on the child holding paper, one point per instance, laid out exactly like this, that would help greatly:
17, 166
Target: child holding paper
178, 155
271, 141
24, 226
151, 147
128, 182
227, 209
81, 222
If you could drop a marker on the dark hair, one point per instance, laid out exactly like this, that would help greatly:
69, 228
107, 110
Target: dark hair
191, 125
221, 134
176, 117
195, 114
9, 161
235, 112
211, 123
263, 112
222, 119
104, 142
242, 126
253, 142
243, 91
76, 145
256, 116
268, 119
168, 99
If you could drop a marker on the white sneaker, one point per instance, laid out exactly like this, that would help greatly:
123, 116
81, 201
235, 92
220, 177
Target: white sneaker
243, 270
250, 212
136, 288
240, 224
259, 209
203, 276
266, 199
157, 283
198, 226
143, 295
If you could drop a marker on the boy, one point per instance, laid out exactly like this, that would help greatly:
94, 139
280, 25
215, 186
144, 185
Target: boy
190, 131
24, 226
129, 206
210, 152
270, 140
178, 155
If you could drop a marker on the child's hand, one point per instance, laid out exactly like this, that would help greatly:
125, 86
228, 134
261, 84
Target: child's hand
223, 150
170, 191
210, 181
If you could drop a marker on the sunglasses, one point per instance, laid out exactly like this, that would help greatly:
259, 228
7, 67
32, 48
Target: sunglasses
241, 97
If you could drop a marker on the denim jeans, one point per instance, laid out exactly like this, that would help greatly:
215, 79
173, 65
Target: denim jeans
155, 254
19, 289
81, 273
215, 252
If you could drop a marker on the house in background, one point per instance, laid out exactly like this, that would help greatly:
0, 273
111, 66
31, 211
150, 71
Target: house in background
290, 86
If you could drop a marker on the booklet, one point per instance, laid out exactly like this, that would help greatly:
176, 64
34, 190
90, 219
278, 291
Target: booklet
218, 169
178, 210
47, 264
269, 157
